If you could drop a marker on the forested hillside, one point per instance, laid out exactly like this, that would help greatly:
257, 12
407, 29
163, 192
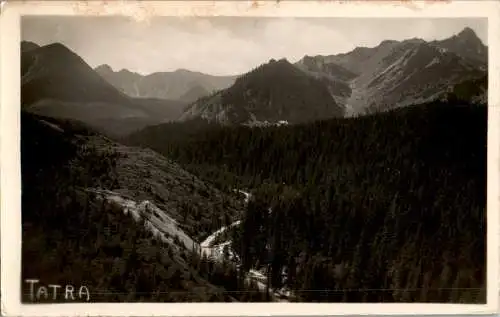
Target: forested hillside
385, 207
70, 235
271, 92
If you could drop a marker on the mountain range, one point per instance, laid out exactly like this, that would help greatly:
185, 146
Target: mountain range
181, 84
365, 80
400, 73
124, 190
57, 82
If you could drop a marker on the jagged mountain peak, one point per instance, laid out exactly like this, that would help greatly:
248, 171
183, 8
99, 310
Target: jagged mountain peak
466, 37
182, 70
58, 54
185, 71
58, 47
415, 40
126, 72
358, 50
388, 42
466, 44
273, 67
28, 45
468, 33
279, 61
104, 68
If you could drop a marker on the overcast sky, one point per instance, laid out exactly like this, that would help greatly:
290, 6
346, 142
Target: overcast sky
226, 45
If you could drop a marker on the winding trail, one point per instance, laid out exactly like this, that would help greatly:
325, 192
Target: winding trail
166, 228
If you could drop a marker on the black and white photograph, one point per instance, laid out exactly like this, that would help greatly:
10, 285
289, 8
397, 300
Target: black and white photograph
253, 159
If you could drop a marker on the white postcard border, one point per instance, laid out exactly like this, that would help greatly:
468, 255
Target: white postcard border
140, 10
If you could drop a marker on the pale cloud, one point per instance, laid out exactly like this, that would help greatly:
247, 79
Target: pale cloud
226, 45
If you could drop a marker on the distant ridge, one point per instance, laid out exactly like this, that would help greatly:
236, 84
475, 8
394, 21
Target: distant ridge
181, 84
365, 80
57, 82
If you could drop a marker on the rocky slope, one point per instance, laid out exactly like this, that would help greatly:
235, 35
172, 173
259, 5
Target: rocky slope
400, 73
335, 76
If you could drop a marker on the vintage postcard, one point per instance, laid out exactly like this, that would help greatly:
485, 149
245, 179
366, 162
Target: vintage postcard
232, 158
